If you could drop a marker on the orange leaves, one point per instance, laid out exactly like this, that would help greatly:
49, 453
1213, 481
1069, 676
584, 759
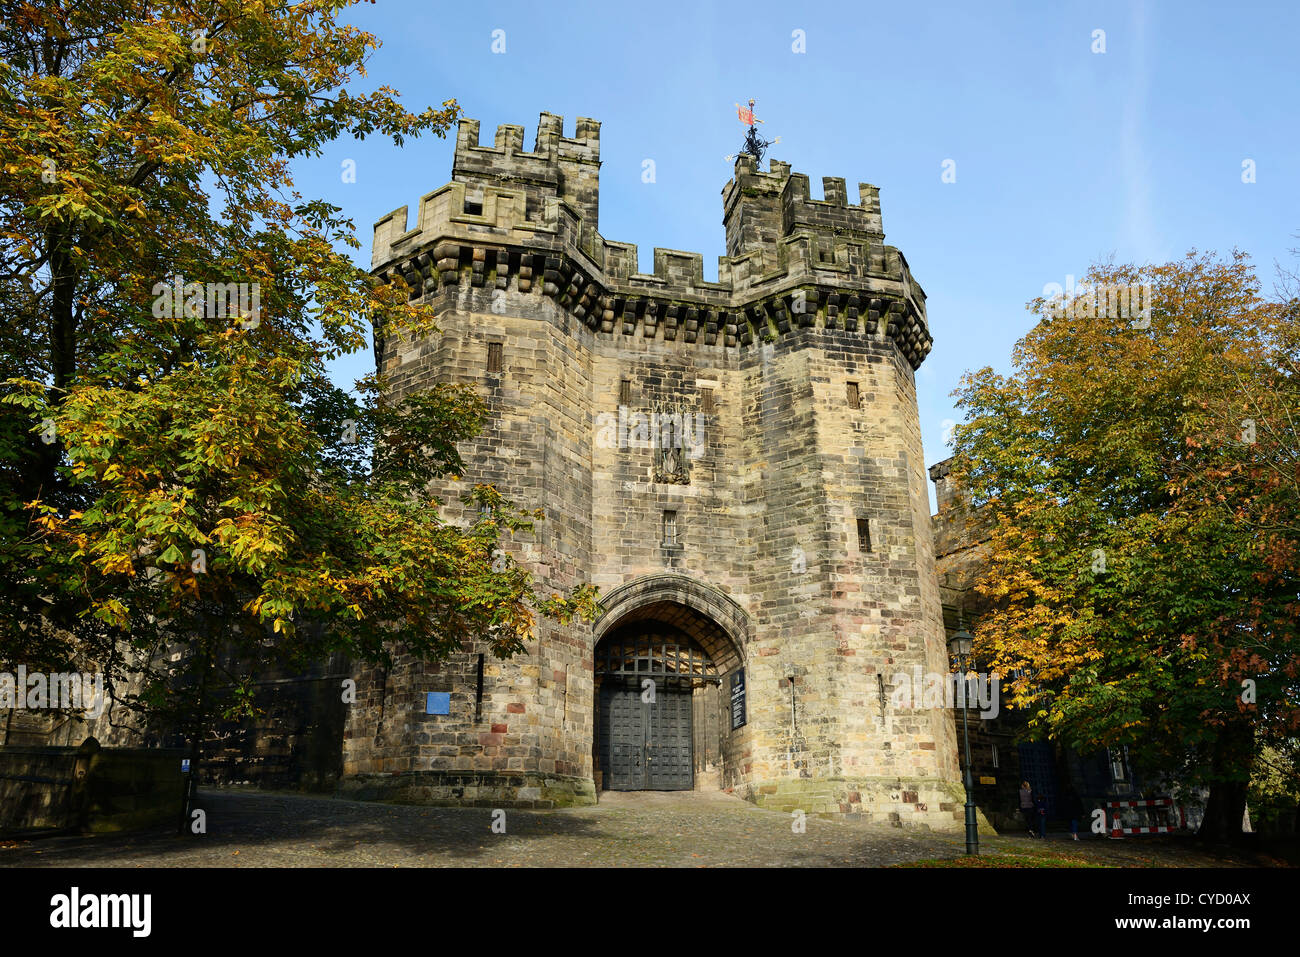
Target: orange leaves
187, 431
1143, 450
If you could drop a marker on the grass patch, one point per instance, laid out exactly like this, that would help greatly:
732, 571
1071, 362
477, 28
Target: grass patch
1005, 860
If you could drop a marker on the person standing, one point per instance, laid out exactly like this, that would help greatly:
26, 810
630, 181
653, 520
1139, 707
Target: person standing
1074, 811
1027, 809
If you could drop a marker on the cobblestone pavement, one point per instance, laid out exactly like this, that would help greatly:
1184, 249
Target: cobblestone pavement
675, 829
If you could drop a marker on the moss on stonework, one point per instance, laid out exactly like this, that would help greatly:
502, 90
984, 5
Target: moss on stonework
570, 799
875, 800
471, 789
570, 792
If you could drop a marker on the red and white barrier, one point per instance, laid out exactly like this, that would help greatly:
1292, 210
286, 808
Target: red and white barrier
1118, 831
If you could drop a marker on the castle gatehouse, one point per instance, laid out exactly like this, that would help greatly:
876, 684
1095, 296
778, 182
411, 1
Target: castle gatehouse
764, 574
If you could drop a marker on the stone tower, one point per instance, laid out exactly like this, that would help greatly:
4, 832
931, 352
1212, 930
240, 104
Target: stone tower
736, 464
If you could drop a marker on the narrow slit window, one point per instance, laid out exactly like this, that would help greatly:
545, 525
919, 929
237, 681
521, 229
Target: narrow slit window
670, 528
625, 392
864, 535
706, 402
494, 357
478, 692
853, 396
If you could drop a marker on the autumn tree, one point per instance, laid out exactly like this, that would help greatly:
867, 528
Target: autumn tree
1275, 787
176, 464
1128, 585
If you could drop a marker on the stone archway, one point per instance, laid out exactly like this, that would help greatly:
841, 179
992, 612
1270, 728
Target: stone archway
640, 596
663, 651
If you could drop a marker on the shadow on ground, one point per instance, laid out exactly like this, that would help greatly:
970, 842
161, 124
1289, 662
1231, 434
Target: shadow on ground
631, 829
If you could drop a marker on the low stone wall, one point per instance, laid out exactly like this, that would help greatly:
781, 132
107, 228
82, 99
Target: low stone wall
36, 787
88, 788
470, 789
929, 804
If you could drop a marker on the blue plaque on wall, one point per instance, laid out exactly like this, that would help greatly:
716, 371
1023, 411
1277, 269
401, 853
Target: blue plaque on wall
437, 702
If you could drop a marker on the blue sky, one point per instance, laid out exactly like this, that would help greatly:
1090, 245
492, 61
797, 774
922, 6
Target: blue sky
1062, 156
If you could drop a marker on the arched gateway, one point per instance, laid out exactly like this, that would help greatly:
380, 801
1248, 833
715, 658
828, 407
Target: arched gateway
663, 651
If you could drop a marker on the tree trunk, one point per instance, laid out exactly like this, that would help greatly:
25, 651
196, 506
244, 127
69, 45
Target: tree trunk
1223, 813
1234, 756
198, 731
63, 316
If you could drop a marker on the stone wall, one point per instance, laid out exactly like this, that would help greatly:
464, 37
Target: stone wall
534, 450
295, 742
88, 788
961, 536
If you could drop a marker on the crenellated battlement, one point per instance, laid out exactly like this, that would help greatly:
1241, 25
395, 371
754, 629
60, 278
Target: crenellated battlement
760, 208
558, 166
527, 221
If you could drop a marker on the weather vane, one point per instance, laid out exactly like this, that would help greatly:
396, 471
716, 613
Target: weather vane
754, 144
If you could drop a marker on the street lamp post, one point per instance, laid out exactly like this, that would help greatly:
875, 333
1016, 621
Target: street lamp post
959, 646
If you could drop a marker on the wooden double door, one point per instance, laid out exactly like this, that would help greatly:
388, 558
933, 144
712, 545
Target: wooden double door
645, 736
